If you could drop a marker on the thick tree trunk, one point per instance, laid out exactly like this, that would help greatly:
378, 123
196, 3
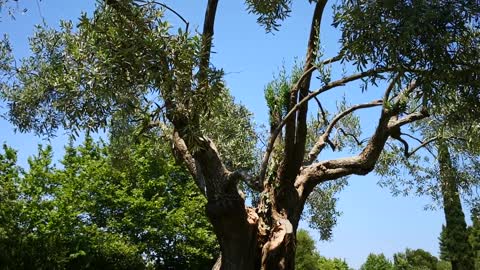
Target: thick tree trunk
457, 245
254, 238
235, 228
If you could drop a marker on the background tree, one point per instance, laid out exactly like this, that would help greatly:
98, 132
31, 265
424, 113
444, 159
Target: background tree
474, 236
374, 262
414, 259
96, 213
453, 145
413, 47
308, 258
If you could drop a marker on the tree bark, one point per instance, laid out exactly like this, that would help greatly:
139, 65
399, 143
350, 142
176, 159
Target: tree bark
459, 250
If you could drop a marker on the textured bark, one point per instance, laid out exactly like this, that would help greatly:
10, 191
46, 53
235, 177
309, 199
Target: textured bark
459, 250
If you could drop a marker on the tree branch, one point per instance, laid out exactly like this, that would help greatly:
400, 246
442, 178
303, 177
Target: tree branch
364, 162
180, 148
313, 47
409, 118
424, 144
322, 111
390, 88
320, 144
352, 135
207, 37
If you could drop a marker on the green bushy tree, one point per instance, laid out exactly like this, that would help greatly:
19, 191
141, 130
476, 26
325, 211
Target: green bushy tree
93, 213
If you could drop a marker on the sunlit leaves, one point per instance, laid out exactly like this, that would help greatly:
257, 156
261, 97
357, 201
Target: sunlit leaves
231, 127
110, 64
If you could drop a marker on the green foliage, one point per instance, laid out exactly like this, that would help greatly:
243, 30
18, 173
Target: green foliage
434, 36
307, 257
322, 210
231, 128
269, 12
277, 94
444, 265
68, 80
458, 249
474, 235
90, 214
377, 262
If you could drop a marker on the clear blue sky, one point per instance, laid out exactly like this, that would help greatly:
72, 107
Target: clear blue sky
372, 220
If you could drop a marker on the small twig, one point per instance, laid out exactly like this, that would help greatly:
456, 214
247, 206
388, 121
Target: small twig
322, 111
390, 88
412, 137
424, 144
359, 143
171, 10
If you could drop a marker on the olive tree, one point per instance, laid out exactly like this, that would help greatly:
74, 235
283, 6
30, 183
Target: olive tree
125, 63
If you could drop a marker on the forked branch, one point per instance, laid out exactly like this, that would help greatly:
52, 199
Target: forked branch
292, 112
423, 145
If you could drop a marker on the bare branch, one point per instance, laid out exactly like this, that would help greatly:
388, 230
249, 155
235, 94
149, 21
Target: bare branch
320, 144
352, 135
424, 144
332, 60
207, 36
409, 118
167, 8
322, 111
412, 137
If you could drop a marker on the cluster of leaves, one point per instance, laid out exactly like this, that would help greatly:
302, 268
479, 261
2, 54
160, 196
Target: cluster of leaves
308, 258
92, 213
474, 237
416, 259
322, 210
473, 240
277, 94
269, 12
375, 261
232, 129
391, 35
